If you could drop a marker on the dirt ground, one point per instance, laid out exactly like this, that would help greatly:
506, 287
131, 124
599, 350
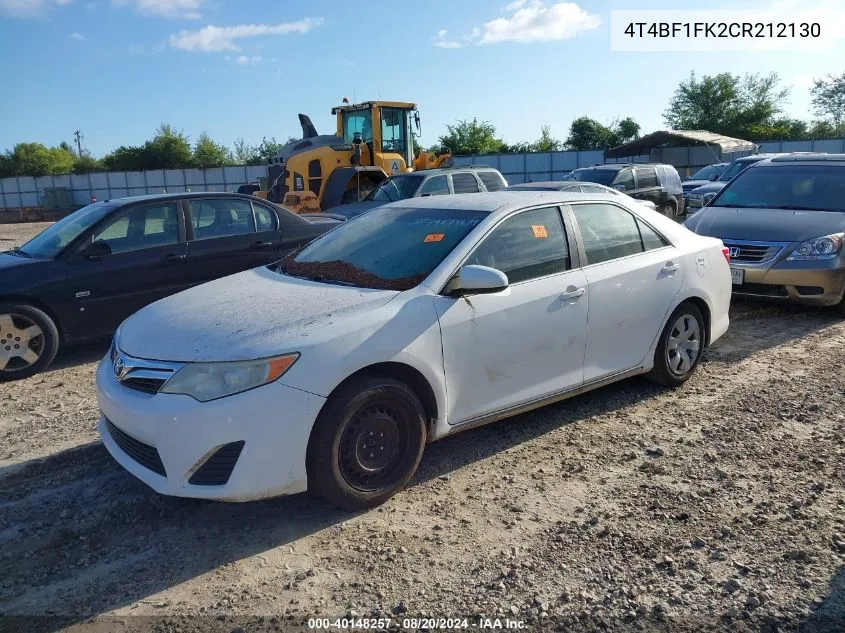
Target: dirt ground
718, 506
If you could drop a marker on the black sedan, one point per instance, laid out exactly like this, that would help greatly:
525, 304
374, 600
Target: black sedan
81, 277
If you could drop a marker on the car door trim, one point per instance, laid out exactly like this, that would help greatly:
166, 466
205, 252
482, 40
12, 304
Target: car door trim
543, 401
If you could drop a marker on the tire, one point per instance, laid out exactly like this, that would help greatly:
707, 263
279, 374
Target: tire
23, 351
667, 209
669, 370
339, 465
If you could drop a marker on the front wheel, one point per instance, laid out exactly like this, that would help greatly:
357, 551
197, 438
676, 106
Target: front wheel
680, 347
667, 209
367, 443
29, 341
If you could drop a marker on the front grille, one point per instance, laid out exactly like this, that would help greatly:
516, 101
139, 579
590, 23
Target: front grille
753, 253
218, 468
147, 385
765, 290
144, 454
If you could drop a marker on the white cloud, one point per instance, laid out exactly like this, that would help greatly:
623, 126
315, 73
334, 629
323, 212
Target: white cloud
223, 38
530, 21
79, 37
243, 59
27, 8
188, 9
441, 40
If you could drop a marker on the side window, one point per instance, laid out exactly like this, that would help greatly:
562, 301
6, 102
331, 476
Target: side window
221, 218
592, 189
646, 177
626, 179
529, 245
492, 181
608, 232
265, 218
435, 186
141, 227
464, 183
651, 239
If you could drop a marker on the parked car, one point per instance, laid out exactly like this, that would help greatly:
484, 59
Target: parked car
335, 363
568, 185
783, 219
655, 182
430, 182
700, 196
702, 177
79, 278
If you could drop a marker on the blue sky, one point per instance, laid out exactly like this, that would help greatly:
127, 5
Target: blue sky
115, 69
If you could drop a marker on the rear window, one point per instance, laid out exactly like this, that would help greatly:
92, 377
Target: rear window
464, 183
492, 181
797, 187
601, 176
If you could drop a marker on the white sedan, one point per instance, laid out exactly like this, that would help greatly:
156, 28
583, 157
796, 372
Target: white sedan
331, 370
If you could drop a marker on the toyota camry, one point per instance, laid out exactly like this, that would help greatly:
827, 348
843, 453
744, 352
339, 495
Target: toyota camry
330, 370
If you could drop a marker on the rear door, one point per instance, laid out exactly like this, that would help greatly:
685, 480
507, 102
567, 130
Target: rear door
146, 263
226, 236
633, 275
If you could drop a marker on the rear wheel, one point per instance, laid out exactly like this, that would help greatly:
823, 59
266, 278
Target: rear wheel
680, 347
366, 443
29, 341
667, 209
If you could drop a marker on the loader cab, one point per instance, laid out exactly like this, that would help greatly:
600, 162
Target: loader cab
384, 127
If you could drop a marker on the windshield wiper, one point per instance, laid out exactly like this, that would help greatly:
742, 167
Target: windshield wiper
16, 250
798, 207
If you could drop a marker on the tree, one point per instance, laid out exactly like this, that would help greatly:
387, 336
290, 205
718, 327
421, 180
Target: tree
727, 104
471, 137
825, 129
586, 134
126, 158
828, 99
168, 149
36, 159
207, 153
627, 130
546, 142
87, 164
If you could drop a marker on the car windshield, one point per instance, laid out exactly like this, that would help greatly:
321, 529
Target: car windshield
387, 248
734, 168
396, 188
601, 176
799, 187
51, 241
706, 173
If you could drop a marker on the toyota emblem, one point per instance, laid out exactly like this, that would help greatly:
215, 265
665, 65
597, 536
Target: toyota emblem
118, 366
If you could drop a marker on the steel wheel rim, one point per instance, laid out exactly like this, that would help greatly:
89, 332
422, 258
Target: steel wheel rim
373, 445
667, 210
21, 342
683, 345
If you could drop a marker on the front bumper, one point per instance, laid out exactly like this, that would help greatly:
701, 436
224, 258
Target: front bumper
274, 423
819, 283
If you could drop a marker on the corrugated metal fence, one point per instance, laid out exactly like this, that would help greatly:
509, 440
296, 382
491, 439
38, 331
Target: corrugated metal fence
26, 191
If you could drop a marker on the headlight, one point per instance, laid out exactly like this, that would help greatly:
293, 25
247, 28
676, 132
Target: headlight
826, 247
209, 381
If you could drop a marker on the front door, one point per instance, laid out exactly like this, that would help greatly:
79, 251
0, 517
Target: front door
633, 274
527, 341
145, 264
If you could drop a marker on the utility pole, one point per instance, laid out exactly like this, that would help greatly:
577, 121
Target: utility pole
78, 136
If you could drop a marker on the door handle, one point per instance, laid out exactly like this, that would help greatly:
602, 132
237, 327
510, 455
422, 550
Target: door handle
670, 267
572, 293
261, 245
173, 257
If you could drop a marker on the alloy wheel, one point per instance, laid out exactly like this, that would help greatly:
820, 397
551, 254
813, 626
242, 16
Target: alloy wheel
21, 342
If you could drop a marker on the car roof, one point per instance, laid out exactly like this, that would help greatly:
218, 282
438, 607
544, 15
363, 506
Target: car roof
176, 196
449, 170
801, 159
551, 185
497, 202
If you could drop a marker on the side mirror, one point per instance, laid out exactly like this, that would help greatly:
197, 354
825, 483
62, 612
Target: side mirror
96, 250
474, 279
619, 187
714, 176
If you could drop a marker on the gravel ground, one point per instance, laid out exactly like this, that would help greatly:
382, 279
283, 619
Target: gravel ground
718, 506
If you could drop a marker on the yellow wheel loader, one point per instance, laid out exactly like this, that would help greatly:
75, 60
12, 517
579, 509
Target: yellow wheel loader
374, 140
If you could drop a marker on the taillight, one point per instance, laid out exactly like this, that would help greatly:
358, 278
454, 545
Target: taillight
727, 253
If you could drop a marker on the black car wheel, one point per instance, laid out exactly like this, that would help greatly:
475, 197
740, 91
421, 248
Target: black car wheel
667, 209
367, 443
680, 347
29, 341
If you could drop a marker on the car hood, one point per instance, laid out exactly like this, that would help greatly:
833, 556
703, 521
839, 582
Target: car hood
766, 225
353, 209
692, 184
248, 315
714, 186
8, 261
